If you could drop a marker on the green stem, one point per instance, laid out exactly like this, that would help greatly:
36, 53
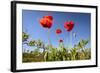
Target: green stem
58, 39
49, 37
66, 43
62, 44
70, 39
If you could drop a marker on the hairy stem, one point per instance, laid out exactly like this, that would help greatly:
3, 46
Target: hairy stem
49, 37
66, 43
57, 39
70, 39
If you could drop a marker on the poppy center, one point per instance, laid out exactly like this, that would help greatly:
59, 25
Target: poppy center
68, 25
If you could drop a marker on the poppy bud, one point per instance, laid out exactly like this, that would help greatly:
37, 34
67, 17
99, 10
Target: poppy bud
60, 40
58, 31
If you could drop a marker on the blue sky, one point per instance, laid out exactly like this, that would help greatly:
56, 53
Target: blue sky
31, 25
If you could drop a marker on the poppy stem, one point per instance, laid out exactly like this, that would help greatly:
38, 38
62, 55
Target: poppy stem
70, 39
49, 37
66, 43
57, 39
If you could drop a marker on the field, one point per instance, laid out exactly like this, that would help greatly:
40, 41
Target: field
49, 53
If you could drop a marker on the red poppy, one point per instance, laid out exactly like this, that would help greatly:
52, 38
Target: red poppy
69, 25
60, 41
58, 31
49, 17
46, 22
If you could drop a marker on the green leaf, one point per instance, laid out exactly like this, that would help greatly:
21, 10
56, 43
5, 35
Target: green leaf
25, 36
31, 43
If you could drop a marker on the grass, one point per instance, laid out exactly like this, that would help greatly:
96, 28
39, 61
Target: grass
57, 55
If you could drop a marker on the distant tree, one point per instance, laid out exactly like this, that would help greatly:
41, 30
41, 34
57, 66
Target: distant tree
39, 44
25, 36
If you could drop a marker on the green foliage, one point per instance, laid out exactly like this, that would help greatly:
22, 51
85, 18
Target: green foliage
25, 36
37, 43
82, 44
31, 43
49, 53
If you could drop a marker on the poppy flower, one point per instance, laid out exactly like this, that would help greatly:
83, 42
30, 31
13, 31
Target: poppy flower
46, 22
60, 40
69, 25
58, 31
49, 17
